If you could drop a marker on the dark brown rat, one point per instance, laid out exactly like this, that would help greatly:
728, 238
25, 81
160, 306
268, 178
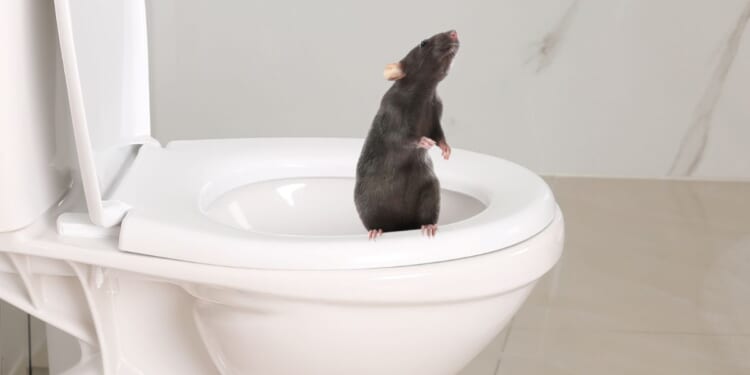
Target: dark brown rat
396, 187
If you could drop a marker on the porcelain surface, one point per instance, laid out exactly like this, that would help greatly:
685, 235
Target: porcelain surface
133, 278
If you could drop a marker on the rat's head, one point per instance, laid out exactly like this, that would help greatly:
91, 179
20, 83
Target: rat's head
428, 62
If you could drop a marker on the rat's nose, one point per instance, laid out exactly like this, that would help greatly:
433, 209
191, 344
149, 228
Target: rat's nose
453, 35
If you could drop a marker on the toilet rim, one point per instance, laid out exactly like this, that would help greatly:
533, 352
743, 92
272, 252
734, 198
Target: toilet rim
169, 223
460, 279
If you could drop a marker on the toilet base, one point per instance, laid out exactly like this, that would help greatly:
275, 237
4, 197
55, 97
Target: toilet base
116, 322
190, 319
314, 341
288, 338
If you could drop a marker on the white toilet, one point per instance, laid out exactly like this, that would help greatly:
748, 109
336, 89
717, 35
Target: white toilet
235, 256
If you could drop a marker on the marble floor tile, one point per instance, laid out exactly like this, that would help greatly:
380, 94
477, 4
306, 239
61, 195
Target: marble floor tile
487, 362
654, 279
639, 256
571, 351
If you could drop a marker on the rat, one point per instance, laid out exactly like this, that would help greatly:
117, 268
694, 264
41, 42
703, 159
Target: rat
396, 187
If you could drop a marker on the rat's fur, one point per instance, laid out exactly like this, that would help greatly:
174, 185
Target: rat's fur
396, 187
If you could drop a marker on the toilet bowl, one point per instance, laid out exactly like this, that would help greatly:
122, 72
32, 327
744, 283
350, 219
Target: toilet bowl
288, 287
244, 256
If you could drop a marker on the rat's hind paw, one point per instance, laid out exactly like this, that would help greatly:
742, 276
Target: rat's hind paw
429, 230
374, 234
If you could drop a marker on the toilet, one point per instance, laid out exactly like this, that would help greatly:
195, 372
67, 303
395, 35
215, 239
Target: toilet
233, 256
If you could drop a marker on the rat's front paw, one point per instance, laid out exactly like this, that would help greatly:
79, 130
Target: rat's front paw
425, 143
446, 150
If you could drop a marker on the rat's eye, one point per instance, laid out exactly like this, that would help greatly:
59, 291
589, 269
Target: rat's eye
424, 43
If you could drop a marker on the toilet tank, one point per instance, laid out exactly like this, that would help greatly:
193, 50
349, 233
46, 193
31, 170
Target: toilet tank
38, 158
33, 175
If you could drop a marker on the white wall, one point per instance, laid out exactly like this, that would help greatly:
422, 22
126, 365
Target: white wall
564, 87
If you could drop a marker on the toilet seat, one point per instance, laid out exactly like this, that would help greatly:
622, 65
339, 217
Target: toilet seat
168, 190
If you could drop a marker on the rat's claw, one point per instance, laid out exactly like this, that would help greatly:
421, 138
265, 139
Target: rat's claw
446, 149
425, 143
374, 234
429, 230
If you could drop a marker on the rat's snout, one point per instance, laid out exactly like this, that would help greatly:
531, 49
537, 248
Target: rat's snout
453, 35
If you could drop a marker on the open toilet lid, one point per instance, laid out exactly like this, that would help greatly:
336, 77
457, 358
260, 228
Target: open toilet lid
169, 189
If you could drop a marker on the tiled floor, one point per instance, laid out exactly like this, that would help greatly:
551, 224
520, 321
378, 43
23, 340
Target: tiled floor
654, 279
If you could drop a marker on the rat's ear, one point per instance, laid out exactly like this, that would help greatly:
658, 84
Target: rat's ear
393, 72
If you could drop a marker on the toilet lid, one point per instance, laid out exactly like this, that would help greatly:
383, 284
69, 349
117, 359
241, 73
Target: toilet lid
286, 203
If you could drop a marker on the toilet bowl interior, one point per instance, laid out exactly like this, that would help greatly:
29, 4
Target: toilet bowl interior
312, 207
